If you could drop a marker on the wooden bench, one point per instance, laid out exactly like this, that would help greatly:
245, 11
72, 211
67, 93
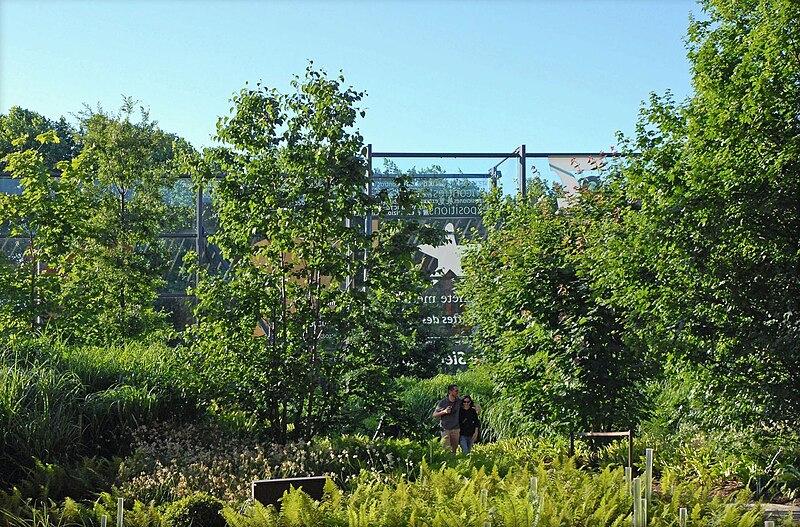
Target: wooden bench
270, 491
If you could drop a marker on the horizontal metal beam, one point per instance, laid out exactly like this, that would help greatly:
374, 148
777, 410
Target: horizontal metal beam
486, 155
479, 155
433, 176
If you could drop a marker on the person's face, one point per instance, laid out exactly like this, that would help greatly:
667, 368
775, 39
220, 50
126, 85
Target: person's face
466, 404
453, 392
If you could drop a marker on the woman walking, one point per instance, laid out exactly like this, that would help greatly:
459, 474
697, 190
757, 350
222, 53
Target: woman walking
468, 424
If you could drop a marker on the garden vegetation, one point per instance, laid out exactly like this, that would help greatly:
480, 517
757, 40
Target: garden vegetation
663, 299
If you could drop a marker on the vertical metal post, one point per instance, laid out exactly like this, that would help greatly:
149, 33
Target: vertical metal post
522, 170
637, 502
533, 489
120, 513
630, 449
648, 474
39, 268
368, 217
200, 239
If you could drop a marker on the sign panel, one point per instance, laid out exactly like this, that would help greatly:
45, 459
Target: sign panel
452, 202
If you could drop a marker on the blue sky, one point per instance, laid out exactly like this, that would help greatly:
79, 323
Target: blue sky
557, 76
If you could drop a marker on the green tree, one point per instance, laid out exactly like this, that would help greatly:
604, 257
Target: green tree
538, 323
42, 216
21, 123
704, 255
305, 318
115, 267
93, 262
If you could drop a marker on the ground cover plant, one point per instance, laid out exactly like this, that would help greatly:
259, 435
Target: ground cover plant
530, 482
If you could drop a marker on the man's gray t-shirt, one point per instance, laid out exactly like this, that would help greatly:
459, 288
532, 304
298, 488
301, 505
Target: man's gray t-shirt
449, 421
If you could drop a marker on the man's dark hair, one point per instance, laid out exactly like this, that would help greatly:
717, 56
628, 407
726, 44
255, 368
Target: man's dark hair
451, 387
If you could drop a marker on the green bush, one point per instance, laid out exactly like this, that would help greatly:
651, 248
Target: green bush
197, 510
62, 405
560, 494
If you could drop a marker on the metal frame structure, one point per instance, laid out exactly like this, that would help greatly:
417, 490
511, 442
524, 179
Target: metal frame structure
520, 153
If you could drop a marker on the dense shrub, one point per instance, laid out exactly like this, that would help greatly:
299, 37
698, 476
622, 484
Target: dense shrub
559, 495
66, 411
197, 510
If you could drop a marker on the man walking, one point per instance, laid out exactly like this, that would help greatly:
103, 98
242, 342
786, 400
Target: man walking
447, 412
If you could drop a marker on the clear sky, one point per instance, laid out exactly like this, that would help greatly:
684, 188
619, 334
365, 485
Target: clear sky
448, 76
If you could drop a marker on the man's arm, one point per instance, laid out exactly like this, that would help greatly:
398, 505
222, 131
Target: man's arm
442, 411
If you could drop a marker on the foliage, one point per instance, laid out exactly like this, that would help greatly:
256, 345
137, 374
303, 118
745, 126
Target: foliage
303, 324
173, 460
39, 414
92, 264
557, 353
669, 291
413, 417
696, 442
65, 412
17, 513
563, 495
701, 248
198, 510
118, 261
404, 483
42, 215
27, 125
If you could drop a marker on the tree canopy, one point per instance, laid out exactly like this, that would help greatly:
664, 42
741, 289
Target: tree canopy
706, 262
92, 263
685, 257
26, 125
308, 312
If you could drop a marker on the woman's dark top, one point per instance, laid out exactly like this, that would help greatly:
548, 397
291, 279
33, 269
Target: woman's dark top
468, 421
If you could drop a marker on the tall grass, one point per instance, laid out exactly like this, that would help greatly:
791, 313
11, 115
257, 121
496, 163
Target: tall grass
59, 403
40, 414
